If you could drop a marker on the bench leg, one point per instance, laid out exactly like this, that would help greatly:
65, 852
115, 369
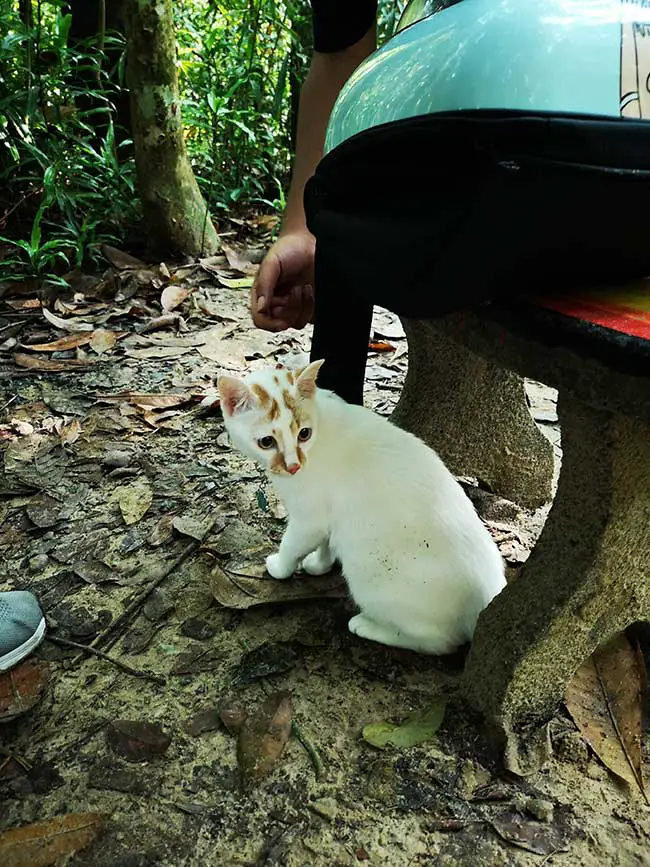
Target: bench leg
475, 415
587, 579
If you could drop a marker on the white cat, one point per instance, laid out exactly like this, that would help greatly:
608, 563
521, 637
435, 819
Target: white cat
418, 561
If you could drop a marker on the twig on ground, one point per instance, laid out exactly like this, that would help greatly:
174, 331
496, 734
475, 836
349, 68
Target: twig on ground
9, 756
139, 600
550, 855
10, 401
85, 648
310, 749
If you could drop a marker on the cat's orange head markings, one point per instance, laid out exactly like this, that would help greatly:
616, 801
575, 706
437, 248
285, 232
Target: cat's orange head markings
274, 410
267, 411
261, 394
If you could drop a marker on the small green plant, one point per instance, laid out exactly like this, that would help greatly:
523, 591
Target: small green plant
41, 257
64, 186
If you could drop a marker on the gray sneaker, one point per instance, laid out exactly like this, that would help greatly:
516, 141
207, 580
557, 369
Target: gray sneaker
22, 626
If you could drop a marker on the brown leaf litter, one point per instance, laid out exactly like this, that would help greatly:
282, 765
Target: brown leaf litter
143, 534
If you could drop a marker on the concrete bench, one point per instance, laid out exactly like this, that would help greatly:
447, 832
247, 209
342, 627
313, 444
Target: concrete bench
588, 577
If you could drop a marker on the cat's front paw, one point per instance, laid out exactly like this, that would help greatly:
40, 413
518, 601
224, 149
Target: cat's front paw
316, 564
277, 568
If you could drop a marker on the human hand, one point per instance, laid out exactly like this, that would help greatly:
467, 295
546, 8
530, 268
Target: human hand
282, 295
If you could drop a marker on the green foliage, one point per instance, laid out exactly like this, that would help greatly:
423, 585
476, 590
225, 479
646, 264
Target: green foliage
239, 68
388, 14
62, 182
67, 178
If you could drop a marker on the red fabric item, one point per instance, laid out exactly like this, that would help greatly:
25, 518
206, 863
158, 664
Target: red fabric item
626, 309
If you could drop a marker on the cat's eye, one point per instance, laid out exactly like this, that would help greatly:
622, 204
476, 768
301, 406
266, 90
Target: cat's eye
304, 434
266, 442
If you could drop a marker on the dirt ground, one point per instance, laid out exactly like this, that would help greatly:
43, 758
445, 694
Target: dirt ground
84, 453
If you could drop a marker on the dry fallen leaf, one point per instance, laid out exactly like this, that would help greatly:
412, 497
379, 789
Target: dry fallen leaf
172, 419
162, 532
158, 401
195, 528
134, 500
164, 321
386, 325
21, 688
145, 401
70, 433
119, 259
66, 324
232, 714
172, 296
51, 842
137, 741
380, 346
211, 264
538, 837
605, 700
43, 511
25, 449
236, 282
233, 351
71, 341
158, 352
206, 720
240, 591
194, 338
22, 428
23, 303
52, 365
263, 737
246, 260
101, 341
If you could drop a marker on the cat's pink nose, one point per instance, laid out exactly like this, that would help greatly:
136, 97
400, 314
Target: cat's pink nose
293, 469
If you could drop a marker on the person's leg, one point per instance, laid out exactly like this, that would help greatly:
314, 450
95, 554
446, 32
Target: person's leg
342, 324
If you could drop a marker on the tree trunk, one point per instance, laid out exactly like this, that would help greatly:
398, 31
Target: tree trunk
174, 210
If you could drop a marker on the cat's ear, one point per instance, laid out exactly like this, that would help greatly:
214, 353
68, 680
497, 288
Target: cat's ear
306, 382
235, 396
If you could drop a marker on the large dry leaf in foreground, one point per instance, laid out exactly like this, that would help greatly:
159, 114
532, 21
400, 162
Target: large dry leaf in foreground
263, 737
605, 700
21, 688
242, 591
49, 842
